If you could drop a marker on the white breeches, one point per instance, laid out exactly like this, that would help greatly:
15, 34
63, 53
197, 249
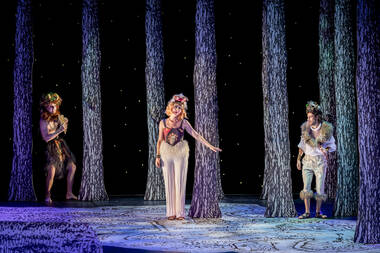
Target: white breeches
174, 167
314, 165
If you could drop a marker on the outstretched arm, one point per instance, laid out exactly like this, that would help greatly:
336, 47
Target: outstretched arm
199, 137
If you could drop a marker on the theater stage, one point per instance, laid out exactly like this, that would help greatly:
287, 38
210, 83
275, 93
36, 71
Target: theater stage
130, 224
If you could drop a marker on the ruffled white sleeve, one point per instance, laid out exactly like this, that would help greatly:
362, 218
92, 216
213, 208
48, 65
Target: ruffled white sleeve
330, 144
302, 145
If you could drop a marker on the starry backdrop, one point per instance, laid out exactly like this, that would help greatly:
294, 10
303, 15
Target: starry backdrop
57, 67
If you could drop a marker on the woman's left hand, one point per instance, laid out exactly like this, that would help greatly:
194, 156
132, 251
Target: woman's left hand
215, 149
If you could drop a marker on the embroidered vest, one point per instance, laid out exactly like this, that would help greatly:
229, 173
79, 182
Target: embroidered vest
173, 135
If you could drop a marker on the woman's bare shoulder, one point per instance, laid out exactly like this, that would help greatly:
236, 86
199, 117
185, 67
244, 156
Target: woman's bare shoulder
162, 123
43, 122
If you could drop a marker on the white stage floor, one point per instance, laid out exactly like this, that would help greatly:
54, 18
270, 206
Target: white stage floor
242, 228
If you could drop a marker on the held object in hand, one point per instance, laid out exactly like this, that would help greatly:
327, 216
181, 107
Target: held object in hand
62, 121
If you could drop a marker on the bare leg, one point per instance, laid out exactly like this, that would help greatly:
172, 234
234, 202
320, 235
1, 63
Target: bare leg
71, 168
49, 183
318, 213
307, 209
307, 205
318, 206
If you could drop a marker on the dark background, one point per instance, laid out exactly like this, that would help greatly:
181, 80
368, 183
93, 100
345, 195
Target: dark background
57, 68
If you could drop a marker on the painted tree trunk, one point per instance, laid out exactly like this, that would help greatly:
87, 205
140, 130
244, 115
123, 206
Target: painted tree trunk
155, 96
368, 94
21, 180
264, 80
92, 185
346, 200
326, 83
279, 190
206, 189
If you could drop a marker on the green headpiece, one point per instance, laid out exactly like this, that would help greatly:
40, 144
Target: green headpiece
313, 107
51, 97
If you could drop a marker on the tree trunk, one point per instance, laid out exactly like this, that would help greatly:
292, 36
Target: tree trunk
21, 181
326, 83
206, 191
368, 94
279, 191
264, 80
92, 186
346, 200
155, 96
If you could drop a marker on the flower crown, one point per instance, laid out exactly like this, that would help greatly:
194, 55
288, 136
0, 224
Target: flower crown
180, 98
51, 97
313, 107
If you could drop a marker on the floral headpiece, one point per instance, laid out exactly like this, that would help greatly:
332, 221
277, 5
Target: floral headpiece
313, 107
180, 98
51, 98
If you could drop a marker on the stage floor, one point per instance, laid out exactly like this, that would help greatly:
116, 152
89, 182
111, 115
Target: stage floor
130, 224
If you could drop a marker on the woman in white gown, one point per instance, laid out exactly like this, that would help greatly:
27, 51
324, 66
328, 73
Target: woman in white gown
173, 153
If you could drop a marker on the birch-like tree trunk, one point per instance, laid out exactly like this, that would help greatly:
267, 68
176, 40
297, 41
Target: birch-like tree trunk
155, 96
326, 83
346, 200
21, 181
92, 185
279, 187
206, 191
368, 94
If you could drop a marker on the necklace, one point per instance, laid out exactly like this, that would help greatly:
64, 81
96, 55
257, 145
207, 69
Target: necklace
317, 128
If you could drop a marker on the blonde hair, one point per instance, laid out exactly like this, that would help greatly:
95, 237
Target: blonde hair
170, 106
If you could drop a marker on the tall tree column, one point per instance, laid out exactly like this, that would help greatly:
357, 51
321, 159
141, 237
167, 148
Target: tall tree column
277, 171
92, 185
346, 200
207, 188
368, 94
21, 181
326, 83
264, 80
155, 96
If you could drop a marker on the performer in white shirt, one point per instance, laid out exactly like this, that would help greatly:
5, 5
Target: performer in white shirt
317, 141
